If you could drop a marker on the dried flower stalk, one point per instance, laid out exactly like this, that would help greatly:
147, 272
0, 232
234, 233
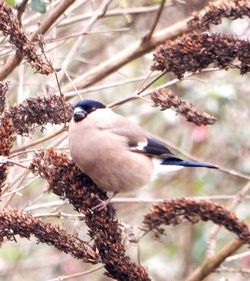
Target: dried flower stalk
176, 211
6, 136
194, 52
4, 87
39, 111
10, 27
67, 181
16, 222
166, 99
214, 13
3, 176
6, 141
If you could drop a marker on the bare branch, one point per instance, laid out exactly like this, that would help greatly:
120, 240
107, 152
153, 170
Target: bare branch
157, 18
210, 264
46, 23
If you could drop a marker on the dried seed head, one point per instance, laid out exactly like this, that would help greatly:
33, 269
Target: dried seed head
194, 52
179, 210
67, 181
10, 27
39, 111
214, 12
6, 135
3, 176
6, 141
166, 99
4, 87
16, 222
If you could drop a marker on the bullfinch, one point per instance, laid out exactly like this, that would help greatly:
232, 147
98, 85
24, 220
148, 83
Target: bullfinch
113, 151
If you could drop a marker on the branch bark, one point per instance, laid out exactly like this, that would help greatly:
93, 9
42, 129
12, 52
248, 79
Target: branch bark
132, 52
49, 19
210, 264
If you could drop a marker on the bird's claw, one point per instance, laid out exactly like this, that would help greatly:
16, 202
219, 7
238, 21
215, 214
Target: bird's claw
103, 203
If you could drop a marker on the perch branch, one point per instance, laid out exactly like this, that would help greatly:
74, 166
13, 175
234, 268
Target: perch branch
210, 264
46, 23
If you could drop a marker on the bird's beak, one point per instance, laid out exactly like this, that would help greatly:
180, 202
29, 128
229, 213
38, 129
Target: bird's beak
79, 114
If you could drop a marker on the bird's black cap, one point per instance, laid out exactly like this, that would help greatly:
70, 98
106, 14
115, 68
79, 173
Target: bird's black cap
89, 104
85, 107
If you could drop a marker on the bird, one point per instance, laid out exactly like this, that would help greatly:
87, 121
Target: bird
114, 152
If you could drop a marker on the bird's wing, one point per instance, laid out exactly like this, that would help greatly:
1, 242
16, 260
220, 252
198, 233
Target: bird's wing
138, 141
152, 147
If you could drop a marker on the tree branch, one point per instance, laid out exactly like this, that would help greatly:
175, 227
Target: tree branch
132, 52
157, 18
210, 264
49, 19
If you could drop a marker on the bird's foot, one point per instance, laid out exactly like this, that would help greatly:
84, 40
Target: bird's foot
103, 203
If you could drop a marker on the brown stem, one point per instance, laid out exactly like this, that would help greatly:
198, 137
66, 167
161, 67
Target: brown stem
41, 140
157, 18
20, 10
132, 52
47, 22
210, 264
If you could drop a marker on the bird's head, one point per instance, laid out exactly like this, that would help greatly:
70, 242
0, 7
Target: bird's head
85, 107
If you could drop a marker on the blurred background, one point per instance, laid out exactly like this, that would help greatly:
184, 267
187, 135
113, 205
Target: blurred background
224, 94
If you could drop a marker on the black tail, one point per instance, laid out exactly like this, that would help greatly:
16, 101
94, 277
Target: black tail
179, 162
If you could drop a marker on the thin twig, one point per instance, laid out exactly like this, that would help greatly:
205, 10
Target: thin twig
66, 37
134, 51
238, 256
41, 140
157, 18
143, 200
242, 271
20, 10
80, 274
138, 200
104, 86
15, 191
59, 214
111, 13
97, 15
130, 53
21, 179
44, 205
49, 19
137, 93
16, 163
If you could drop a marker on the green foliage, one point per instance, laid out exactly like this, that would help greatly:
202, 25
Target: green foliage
11, 2
38, 6
11, 254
